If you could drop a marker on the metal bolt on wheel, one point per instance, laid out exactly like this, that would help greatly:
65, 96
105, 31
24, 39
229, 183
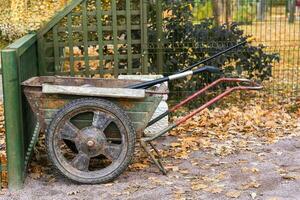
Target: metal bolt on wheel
91, 140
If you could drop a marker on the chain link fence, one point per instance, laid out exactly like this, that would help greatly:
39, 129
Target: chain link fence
191, 30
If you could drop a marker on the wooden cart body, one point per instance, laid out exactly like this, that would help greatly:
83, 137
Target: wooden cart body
61, 90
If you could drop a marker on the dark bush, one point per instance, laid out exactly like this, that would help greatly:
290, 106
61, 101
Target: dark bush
186, 43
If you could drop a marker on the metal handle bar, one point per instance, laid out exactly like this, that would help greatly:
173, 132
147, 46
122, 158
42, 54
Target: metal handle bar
255, 86
206, 105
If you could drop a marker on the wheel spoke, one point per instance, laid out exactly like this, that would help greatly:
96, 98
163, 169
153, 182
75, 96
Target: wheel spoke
112, 151
69, 131
101, 120
81, 162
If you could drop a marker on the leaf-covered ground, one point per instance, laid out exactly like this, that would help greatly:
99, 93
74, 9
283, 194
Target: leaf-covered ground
249, 149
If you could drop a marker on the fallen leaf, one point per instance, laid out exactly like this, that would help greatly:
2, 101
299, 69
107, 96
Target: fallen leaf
198, 186
214, 190
233, 194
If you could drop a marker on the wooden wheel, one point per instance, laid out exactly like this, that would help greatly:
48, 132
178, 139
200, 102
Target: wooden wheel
102, 134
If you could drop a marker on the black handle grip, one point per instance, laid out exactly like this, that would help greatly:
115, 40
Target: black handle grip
209, 69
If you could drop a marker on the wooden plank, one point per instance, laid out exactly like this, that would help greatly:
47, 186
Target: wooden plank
85, 38
63, 44
134, 116
94, 72
56, 49
14, 131
71, 46
94, 91
143, 107
22, 44
42, 69
144, 27
119, 12
115, 37
104, 28
100, 35
106, 57
129, 39
138, 126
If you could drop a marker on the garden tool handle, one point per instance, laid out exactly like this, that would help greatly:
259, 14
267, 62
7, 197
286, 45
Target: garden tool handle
148, 84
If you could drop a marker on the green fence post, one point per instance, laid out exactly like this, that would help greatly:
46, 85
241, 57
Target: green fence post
160, 58
13, 118
144, 38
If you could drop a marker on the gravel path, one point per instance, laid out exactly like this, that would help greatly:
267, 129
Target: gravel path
270, 172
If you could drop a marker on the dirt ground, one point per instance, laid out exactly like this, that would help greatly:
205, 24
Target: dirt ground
270, 172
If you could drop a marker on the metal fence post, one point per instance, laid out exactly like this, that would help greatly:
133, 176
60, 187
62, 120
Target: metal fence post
13, 118
261, 10
292, 11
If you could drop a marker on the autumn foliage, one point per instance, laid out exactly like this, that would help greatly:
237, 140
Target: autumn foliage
18, 17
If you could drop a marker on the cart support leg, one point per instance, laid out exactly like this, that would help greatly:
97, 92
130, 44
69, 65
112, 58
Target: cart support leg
156, 161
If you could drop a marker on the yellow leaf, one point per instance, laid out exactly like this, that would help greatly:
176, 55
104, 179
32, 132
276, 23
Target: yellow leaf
214, 190
198, 186
233, 194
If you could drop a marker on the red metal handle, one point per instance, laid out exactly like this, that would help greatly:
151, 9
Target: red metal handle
253, 86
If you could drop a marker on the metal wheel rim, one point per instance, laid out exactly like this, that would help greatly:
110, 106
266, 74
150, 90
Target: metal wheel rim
98, 173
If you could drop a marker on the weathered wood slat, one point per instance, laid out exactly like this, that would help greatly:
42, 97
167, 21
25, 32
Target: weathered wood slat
85, 38
134, 116
81, 58
144, 28
104, 28
92, 72
115, 37
100, 35
138, 126
24, 43
138, 107
129, 39
94, 91
63, 44
108, 12
56, 49
71, 46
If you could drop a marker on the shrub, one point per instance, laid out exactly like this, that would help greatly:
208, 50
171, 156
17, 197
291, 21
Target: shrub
186, 43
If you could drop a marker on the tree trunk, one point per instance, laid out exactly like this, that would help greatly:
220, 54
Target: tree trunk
228, 12
216, 11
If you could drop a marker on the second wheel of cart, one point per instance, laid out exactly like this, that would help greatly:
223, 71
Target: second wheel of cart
102, 135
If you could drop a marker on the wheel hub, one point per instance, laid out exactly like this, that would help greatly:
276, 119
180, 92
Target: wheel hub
91, 141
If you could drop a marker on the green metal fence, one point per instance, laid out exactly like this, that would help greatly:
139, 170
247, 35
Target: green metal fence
275, 24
